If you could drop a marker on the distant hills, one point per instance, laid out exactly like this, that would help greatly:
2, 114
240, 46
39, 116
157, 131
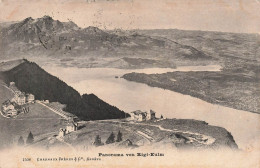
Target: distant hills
48, 37
30, 78
232, 50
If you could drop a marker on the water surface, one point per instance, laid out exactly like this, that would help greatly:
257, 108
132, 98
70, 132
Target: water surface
130, 96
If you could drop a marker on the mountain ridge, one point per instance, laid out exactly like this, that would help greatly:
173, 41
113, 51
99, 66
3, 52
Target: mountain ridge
52, 38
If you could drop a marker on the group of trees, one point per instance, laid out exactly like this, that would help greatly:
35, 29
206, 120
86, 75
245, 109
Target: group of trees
29, 139
110, 139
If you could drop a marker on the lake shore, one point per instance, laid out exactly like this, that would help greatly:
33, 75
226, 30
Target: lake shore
130, 96
231, 90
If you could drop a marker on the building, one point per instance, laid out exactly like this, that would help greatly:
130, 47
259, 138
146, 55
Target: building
12, 112
7, 105
150, 115
72, 126
142, 116
14, 88
29, 98
20, 99
12, 84
17, 92
138, 115
8, 108
62, 132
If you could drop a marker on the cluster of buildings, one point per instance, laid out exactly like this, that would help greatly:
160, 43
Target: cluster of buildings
142, 115
71, 127
20, 97
17, 104
9, 108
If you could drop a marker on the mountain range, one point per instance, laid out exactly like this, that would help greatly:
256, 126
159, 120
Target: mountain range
48, 37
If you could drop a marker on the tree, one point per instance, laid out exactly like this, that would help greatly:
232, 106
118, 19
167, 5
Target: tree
20, 141
30, 138
161, 116
98, 141
110, 139
119, 137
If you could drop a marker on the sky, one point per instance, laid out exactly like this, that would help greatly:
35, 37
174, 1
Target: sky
240, 16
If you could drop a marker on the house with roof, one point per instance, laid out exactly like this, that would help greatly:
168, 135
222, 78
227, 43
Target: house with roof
139, 115
8, 108
30, 98
62, 132
150, 115
14, 88
7, 105
12, 112
71, 127
20, 99
12, 84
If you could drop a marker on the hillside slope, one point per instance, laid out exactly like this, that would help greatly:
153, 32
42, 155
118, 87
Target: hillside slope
30, 78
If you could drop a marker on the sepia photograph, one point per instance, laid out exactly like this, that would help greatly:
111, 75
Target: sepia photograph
130, 83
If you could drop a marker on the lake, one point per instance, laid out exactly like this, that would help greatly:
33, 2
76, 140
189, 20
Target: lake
130, 96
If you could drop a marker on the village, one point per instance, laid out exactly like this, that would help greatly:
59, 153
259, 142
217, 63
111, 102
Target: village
18, 104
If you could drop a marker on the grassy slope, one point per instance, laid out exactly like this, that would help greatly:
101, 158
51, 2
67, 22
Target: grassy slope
88, 131
5, 94
39, 120
86, 136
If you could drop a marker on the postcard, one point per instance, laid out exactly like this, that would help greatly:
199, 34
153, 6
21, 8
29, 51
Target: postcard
130, 83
